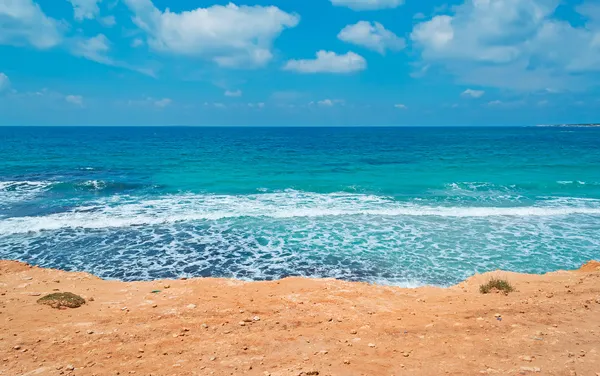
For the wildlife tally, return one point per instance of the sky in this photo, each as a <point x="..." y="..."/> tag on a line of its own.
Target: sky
<point x="299" y="62"/>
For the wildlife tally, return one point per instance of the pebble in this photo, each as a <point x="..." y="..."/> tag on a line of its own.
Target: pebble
<point x="17" y="347"/>
<point x="191" y="306"/>
<point x="405" y="354"/>
<point x="242" y="323"/>
<point x="346" y="361"/>
<point x="371" y="345"/>
<point x="526" y="358"/>
<point x="353" y="332"/>
<point x="141" y="350"/>
<point x="70" y="367"/>
<point x="205" y="326"/>
<point x="256" y="318"/>
<point x="530" y="369"/>
<point x="497" y="315"/>
<point x="90" y="332"/>
<point x="212" y="358"/>
<point x="167" y="286"/>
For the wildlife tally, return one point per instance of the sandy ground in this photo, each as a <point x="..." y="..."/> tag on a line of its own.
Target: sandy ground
<point x="550" y="326"/>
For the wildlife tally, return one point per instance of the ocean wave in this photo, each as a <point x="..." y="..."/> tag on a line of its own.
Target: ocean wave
<point x="14" y="191"/>
<point x="125" y="211"/>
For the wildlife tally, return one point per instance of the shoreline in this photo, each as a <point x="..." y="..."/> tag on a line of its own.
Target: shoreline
<point x="299" y="326"/>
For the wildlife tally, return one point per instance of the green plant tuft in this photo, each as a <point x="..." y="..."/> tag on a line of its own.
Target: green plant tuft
<point x="496" y="285"/>
<point x="62" y="299"/>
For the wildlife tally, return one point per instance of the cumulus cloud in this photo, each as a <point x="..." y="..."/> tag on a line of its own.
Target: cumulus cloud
<point x="22" y="22"/>
<point x="328" y="62"/>
<point x="470" y="93"/>
<point x="401" y="106"/>
<point x="85" y="9"/>
<point x="4" y="82"/>
<point x="515" y="44"/>
<point x="231" y="35"/>
<point x="368" y="4"/>
<point x="235" y="93"/>
<point x="373" y="36"/>
<point x="74" y="99"/>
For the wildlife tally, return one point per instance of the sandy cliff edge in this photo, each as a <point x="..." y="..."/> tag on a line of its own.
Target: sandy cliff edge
<point x="296" y="326"/>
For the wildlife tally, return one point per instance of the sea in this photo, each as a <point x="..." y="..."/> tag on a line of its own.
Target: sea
<point x="405" y="206"/>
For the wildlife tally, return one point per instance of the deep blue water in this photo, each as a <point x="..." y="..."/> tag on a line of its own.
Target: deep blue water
<point x="389" y="205"/>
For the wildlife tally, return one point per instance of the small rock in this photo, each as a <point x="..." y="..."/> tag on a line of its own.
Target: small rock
<point x="405" y="354"/>
<point x="91" y="299"/>
<point x="371" y="345"/>
<point x="141" y="350"/>
<point x="191" y="306"/>
<point x="242" y="323"/>
<point x="480" y="319"/>
<point x="17" y="347"/>
<point x="526" y="358"/>
<point x="353" y="332"/>
<point x="204" y="326"/>
<point x="256" y="318"/>
<point x="530" y="369"/>
<point x="70" y="367"/>
<point x="346" y="361"/>
<point x="497" y="315"/>
<point x="90" y="332"/>
<point x="167" y="286"/>
<point x="212" y="358"/>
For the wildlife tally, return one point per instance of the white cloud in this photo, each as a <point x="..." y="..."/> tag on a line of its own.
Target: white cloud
<point x="495" y="103"/>
<point x="4" y="82"/>
<point x="22" y="22"/>
<point x="367" y="4"/>
<point x="236" y="93"/>
<point x="401" y="106"/>
<point x="75" y="99"/>
<point x="217" y="105"/>
<point x="514" y="44"/>
<point x="418" y="16"/>
<point x="137" y="43"/>
<point x="231" y="35"/>
<point x="85" y="9"/>
<point x="372" y="36"/>
<point x="162" y="103"/>
<point x="256" y="105"/>
<point x="473" y="93"/>
<point x="328" y="62"/>
<point x="108" y="21"/>
<point x="95" y="49"/>
<point x="328" y="102"/>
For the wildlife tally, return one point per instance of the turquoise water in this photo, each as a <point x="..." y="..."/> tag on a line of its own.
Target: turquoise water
<point x="402" y="206"/>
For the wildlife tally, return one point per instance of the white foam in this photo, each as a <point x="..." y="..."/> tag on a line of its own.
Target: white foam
<point x="125" y="211"/>
<point x="15" y="191"/>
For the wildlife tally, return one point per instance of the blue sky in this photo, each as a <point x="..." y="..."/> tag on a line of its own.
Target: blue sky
<point x="299" y="62"/>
